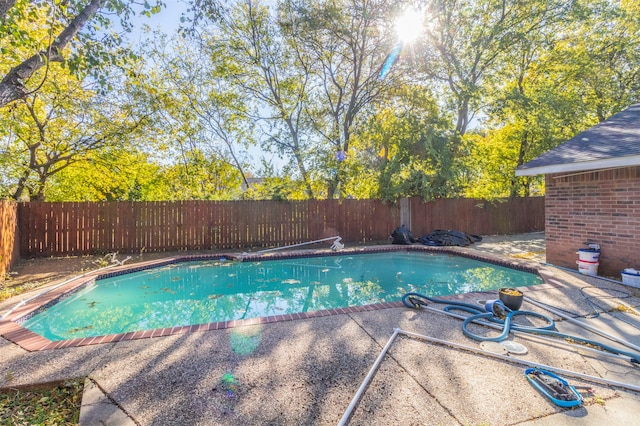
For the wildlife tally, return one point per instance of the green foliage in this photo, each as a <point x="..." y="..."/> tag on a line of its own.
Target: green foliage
<point x="91" y="48"/>
<point x="603" y="57"/>
<point x="491" y="164"/>
<point x="550" y="89"/>
<point x="198" y="118"/>
<point x="20" y="40"/>
<point x="202" y="178"/>
<point x="488" y="87"/>
<point x="467" y="42"/>
<point x="109" y="175"/>
<point x="266" y="68"/>
<point x="275" y="188"/>
<point x="58" y="126"/>
<point x="341" y="46"/>
<point x="130" y="176"/>
<point x="411" y="148"/>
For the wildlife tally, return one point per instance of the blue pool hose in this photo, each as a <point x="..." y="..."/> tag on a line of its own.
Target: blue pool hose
<point x="417" y="300"/>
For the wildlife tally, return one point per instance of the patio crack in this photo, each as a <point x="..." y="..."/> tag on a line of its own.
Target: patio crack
<point x="99" y="407"/>
<point x="407" y="372"/>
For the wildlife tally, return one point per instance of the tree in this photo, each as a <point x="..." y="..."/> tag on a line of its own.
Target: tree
<point x="113" y="173"/>
<point x="406" y="149"/>
<point x="556" y="81"/>
<point x="344" y="44"/>
<point x="5" y="5"/>
<point x="266" y="71"/>
<point x="196" y="112"/>
<point x="602" y="53"/>
<point x="66" y="24"/>
<point x="201" y="177"/>
<point x="466" y="41"/>
<point x="57" y="126"/>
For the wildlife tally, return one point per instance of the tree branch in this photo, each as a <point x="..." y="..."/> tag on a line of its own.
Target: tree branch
<point x="12" y="86"/>
<point x="5" y="5"/>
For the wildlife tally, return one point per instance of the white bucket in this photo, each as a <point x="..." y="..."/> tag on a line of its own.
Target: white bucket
<point x="588" y="255"/>
<point x="587" y="268"/>
<point x="631" y="277"/>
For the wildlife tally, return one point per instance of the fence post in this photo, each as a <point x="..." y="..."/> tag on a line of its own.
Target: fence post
<point x="9" y="238"/>
<point x="405" y="212"/>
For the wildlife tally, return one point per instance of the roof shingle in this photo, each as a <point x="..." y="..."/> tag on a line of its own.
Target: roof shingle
<point x="617" y="137"/>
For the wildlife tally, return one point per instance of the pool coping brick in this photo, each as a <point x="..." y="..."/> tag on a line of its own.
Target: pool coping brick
<point x="11" y="329"/>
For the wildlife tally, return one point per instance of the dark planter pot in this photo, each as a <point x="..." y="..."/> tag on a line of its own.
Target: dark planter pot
<point x="511" y="298"/>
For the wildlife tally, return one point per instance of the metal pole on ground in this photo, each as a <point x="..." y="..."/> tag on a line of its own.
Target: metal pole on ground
<point x="365" y="383"/>
<point x="525" y="363"/>
<point x="509" y="359"/>
<point x="583" y="324"/>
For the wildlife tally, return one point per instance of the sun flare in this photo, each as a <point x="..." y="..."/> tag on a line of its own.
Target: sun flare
<point x="409" y="25"/>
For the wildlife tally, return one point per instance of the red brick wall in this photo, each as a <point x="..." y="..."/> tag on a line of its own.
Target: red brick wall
<point x="600" y="207"/>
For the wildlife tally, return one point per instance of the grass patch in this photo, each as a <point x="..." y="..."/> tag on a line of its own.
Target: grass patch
<point x="7" y="292"/>
<point x="53" y="404"/>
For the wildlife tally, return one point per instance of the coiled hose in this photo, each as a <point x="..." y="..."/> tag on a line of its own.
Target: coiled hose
<point x="502" y="315"/>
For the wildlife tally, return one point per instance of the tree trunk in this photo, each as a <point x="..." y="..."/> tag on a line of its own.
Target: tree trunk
<point x="17" y="193"/>
<point x="12" y="85"/>
<point x="523" y="148"/>
<point x="5" y="5"/>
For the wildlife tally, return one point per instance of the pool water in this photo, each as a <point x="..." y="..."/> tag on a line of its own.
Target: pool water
<point x="202" y="292"/>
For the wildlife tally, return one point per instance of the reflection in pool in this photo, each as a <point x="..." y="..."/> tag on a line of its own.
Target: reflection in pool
<point x="203" y="292"/>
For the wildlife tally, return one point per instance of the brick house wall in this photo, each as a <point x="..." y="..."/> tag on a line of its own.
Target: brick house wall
<point x="601" y="207"/>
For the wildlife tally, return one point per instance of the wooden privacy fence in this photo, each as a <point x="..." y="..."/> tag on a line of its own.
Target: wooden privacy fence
<point x="8" y="240"/>
<point x="50" y="229"/>
<point x="479" y="217"/>
<point x="55" y="229"/>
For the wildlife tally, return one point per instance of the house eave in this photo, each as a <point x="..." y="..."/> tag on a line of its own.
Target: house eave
<point x="608" y="163"/>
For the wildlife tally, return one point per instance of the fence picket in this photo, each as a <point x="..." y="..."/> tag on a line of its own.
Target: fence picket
<point x="58" y="229"/>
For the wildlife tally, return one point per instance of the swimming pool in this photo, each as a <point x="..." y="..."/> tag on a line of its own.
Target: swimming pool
<point x="215" y="291"/>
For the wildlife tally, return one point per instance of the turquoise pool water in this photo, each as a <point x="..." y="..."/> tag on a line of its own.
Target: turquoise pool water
<point x="210" y="291"/>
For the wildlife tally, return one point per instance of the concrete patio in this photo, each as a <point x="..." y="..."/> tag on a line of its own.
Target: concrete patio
<point x="308" y="371"/>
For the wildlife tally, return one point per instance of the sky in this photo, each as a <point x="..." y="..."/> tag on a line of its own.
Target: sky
<point x="167" y="20"/>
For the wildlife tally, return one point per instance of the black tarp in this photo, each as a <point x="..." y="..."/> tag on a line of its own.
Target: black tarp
<point x="441" y="237"/>
<point x="401" y="235"/>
